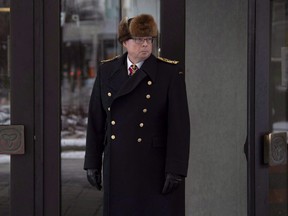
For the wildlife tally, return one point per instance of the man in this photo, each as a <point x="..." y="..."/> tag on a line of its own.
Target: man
<point x="139" y="119"/>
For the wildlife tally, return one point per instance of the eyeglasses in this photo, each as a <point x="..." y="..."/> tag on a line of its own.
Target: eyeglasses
<point x="141" y="40"/>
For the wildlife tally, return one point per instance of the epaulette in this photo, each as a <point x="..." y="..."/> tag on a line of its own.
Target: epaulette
<point x="111" y="59"/>
<point x="168" y="60"/>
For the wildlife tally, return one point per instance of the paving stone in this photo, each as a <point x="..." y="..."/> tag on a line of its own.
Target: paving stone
<point x="78" y="197"/>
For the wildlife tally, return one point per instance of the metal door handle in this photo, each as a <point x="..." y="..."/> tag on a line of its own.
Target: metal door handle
<point x="275" y="148"/>
<point x="12" y="139"/>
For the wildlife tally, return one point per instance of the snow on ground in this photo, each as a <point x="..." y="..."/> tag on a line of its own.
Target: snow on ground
<point x="4" y="159"/>
<point x="64" y="155"/>
<point x="73" y="155"/>
<point x="73" y="142"/>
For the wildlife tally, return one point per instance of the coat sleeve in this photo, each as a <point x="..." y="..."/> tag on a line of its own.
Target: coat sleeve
<point x="95" y="129"/>
<point x="178" y="131"/>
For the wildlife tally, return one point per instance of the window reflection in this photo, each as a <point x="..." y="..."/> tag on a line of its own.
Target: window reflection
<point x="278" y="178"/>
<point x="89" y="35"/>
<point x="4" y="102"/>
<point x="4" y="63"/>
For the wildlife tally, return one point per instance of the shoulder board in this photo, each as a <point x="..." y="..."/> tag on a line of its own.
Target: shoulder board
<point x="168" y="60"/>
<point x="111" y="59"/>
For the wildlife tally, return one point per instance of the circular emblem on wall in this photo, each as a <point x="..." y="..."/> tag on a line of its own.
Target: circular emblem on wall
<point x="12" y="139"/>
<point x="278" y="149"/>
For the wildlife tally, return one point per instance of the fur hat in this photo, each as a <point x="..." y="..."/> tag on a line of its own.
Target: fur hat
<point x="139" y="26"/>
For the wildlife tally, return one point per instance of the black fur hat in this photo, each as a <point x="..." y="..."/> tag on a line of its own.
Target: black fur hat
<point x="139" y="26"/>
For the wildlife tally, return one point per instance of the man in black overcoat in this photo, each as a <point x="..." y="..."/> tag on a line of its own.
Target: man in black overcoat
<point x="138" y="126"/>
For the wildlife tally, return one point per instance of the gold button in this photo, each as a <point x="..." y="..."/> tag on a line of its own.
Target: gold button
<point x="144" y="110"/>
<point x="113" y="137"/>
<point x="113" y="122"/>
<point x="141" y="125"/>
<point x="149" y="82"/>
<point x="109" y="94"/>
<point x="148" y="96"/>
<point x="108" y="108"/>
<point x="139" y="140"/>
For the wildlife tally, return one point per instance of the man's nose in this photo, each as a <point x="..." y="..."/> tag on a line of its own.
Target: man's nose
<point x="145" y="43"/>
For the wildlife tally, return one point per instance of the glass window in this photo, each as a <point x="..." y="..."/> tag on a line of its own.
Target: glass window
<point x="278" y="178"/>
<point x="89" y="35"/>
<point x="4" y="102"/>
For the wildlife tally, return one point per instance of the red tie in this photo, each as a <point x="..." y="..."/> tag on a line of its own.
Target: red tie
<point x="132" y="69"/>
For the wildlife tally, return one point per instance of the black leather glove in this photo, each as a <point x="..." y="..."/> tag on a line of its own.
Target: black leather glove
<point x="94" y="178"/>
<point x="171" y="183"/>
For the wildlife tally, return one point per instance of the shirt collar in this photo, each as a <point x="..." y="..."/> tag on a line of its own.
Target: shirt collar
<point x="129" y="63"/>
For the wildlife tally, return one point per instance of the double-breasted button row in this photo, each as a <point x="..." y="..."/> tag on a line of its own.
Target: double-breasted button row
<point x="113" y="137"/>
<point x="149" y="83"/>
<point x="109" y="94"/>
<point x="141" y="124"/>
<point x="144" y="110"/>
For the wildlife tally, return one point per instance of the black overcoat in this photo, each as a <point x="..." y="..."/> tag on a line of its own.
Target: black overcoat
<point x="141" y="124"/>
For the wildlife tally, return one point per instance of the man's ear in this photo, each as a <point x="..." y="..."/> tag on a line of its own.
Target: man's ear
<point x="124" y="44"/>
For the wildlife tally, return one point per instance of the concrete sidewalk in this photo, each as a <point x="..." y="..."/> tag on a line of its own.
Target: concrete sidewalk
<point x="78" y="197"/>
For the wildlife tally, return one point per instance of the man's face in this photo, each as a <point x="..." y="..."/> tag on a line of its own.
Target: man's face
<point x="139" y="49"/>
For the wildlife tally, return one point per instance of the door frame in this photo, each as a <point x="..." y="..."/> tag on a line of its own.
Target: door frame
<point x="258" y="105"/>
<point x="22" y="84"/>
<point x="36" y="98"/>
<point x="35" y="103"/>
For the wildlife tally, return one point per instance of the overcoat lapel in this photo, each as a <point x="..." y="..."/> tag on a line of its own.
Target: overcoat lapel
<point x="150" y="67"/>
<point x="123" y="85"/>
<point x="118" y="78"/>
<point x="131" y="83"/>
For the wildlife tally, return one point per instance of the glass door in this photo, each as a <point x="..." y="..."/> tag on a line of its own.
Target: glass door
<point x="4" y="103"/>
<point x="278" y="173"/>
<point x="89" y="35"/>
